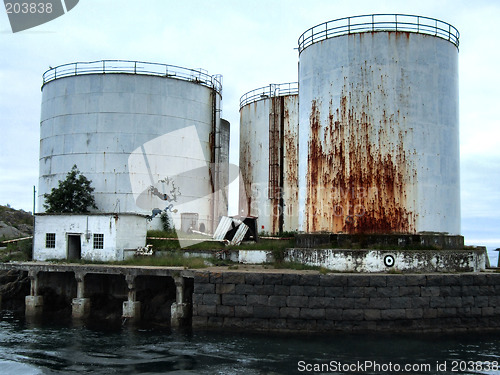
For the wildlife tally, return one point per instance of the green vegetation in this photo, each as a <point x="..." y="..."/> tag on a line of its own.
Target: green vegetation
<point x="163" y="245"/>
<point x="15" y="217"/>
<point x="166" y="223"/>
<point x="73" y="195"/>
<point x="173" y="259"/>
<point x="17" y="251"/>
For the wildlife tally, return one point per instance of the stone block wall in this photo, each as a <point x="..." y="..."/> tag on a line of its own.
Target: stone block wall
<point x="284" y="301"/>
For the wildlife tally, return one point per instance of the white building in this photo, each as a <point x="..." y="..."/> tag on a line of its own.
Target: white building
<point x="93" y="236"/>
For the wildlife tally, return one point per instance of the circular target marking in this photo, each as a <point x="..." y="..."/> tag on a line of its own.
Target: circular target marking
<point x="389" y="261"/>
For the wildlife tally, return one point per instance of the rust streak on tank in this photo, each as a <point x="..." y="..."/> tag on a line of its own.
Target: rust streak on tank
<point x="359" y="177"/>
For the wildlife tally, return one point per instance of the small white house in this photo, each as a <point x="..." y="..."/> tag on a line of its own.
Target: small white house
<point x="99" y="236"/>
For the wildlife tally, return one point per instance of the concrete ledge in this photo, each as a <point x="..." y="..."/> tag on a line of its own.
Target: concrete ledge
<point x="391" y="260"/>
<point x="369" y="261"/>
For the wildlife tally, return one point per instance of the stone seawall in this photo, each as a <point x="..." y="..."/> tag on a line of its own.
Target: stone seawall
<point x="285" y="301"/>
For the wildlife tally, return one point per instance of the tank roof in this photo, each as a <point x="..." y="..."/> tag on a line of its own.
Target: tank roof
<point x="199" y="76"/>
<point x="269" y="91"/>
<point x="379" y="22"/>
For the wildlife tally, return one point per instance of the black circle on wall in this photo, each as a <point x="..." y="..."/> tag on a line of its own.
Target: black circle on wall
<point x="389" y="261"/>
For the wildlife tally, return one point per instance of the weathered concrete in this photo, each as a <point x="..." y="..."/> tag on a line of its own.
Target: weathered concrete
<point x="366" y="260"/>
<point x="81" y="304"/>
<point x="179" y="310"/>
<point x="33" y="302"/>
<point x="34" y="306"/>
<point x="369" y="261"/>
<point x="80" y="308"/>
<point x="132" y="311"/>
<point x="131" y="308"/>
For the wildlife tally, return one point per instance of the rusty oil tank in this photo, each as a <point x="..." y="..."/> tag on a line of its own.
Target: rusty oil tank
<point x="378" y="126"/>
<point x="268" y="157"/>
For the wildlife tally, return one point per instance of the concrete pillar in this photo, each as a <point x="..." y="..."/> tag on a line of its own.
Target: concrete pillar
<point x="80" y="305"/>
<point x="131" y="308"/>
<point x="179" y="310"/>
<point x="33" y="302"/>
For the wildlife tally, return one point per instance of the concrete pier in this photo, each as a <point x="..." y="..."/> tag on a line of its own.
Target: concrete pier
<point x="180" y="309"/>
<point x="80" y="305"/>
<point x="87" y="281"/>
<point x="131" y="307"/>
<point x="33" y="302"/>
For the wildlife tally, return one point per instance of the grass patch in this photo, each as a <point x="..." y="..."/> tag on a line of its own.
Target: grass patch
<point x="17" y="251"/>
<point x="174" y="259"/>
<point x="162" y="233"/>
<point x="264" y="245"/>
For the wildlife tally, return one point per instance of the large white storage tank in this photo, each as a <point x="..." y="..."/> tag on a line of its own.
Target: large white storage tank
<point x="268" y="157"/>
<point x="379" y="128"/>
<point x="146" y="134"/>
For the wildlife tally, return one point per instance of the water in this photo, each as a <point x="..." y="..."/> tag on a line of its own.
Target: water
<point x="66" y="349"/>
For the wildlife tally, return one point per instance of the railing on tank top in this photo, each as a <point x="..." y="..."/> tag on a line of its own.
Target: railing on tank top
<point x="269" y="91"/>
<point x="379" y="22"/>
<point x="199" y="76"/>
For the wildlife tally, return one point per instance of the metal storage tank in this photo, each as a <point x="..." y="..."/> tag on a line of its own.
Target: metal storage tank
<point x="268" y="156"/>
<point x="148" y="136"/>
<point x="379" y="128"/>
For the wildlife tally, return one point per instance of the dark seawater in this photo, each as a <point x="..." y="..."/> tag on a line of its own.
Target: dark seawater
<point x="63" y="348"/>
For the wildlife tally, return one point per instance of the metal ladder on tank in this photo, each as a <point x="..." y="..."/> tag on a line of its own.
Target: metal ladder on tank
<point x="215" y="157"/>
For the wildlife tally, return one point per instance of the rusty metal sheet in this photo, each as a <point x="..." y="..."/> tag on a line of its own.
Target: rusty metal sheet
<point x="223" y="227"/>
<point x="239" y="235"/>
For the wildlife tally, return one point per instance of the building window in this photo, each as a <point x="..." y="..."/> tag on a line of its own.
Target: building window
<point x="50" y="240"/>
<point x="98" y="241"/>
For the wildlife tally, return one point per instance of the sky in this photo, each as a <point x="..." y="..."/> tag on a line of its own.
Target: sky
<point x="252" y="44"/>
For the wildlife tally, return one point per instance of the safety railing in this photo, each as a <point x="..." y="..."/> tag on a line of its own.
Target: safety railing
<point x="269" y="91"/>
<point x="379" y="22"/>
<point x="199" y="76"/>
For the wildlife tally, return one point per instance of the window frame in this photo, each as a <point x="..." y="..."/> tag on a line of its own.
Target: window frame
<point x="98" y="241"/>
<point x="50" y="240"/>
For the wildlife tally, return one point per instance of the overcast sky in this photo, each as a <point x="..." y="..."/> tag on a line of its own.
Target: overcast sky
<point x="251" y="43"/>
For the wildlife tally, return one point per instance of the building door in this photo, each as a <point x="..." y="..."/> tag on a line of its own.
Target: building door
<point x="74" y="247"/>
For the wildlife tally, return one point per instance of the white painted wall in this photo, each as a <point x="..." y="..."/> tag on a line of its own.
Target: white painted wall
<point x="120" y="232"/>
<point x="404" y="261"/>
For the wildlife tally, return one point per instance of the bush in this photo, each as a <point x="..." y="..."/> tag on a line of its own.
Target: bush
<point x="166" y="222"/>
<point x="73" y="195"/>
